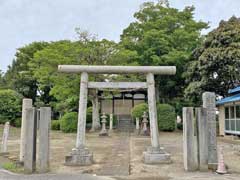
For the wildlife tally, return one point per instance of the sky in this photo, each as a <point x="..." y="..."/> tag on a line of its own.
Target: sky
<point x="25" y="21"/>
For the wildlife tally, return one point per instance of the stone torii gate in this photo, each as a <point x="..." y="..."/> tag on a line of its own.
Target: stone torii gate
<point x="80" y="155"/>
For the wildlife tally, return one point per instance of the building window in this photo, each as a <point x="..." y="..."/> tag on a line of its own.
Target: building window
<point x="232" y="119"/>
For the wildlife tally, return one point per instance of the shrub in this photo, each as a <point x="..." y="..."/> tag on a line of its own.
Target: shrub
<point x="138" y="110"/>
<point x="166" y="117"/>
<point x="55" y="125"/>
<point x="10" y="106"/>
<point x="18" y="122"/>
<point x="180" y="126"/>
<point x="68" y="123"/>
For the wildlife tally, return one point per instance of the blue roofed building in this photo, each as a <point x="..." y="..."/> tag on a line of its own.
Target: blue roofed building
<point x="229" y="113"/>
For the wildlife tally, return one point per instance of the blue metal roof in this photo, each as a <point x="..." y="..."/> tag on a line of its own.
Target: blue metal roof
<point x="237" y="89"/>
<point x="229" y="99"/>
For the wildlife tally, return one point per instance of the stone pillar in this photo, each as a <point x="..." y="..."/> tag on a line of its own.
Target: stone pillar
<point x="30" y="141"/>
<point x="201" y="118"/>
<point x="137" y="124"/>
<point x="190" y="150"/>
<point x="221" y="120"/>
<point x="43" y="147"/>
<point x="5" y="138"/>
<point x="95" y="112"/>
<point x="144" y="130"/>
<point x="154" y="154"/>
<point x="111" y="122"/>
<point x="209" y="103"/>
<point x="104" y="130"/>
<point x="81" y="155"/>
<point x="27" y="103"/>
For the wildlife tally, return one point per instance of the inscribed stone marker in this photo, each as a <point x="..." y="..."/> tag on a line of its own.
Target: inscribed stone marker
<point x="209" y="103"/>
<point x="5" y="138"/>
<point x="29" y="155"/>
<point x="43" y="147"/>
<point x="190" y="150"/>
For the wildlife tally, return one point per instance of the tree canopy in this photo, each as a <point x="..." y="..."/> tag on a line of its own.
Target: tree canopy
<point x="162" y="35"/>
<point x="216" y="63"/>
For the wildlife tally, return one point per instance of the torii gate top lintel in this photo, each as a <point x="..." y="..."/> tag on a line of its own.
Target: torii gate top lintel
<point x="164" y="70"/>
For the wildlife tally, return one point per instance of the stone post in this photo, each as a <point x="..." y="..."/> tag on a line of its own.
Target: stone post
<point x="209" y="103"/>
<point x="95" y="112"/>
<point x="27" y="103"/>
<point x="5" y="138"/>
<point x="137" y="124"/>
<point x="43" y="147"/>
<point x="111" y="122"/>
<point x="104" y="130"/>
<point x="201" y="118"/>
<point x="30" y="141"/>
<point x="190" y="150"/>
<point x="81" y="155"/>
<point x="144" y="130"/>
<point x="154" y="154"/>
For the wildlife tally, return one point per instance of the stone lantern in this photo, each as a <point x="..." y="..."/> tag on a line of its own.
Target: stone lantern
<point x="144" y="130"/>
<point x="104" y="121"/>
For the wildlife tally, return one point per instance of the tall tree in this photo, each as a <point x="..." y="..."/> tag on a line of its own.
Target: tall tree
<point x="2" y="81"/>
<point x="216" y="63"/>
<point x="162" y="35"/>
<point x="19" y="76"/>
<point x="63" y="89"/>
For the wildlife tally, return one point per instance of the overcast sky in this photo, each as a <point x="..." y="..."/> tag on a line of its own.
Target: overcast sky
<point x="25" y="21"/>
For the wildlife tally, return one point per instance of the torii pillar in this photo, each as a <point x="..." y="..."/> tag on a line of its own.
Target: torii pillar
<point x="81" y="155"/>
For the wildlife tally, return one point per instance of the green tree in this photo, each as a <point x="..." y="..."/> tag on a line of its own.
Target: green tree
<point x="19" y="76"/>
<point x="2" y="81"/>
<point x="63" y="89"/>
<point x="10" y="105"/>
<point x="162" y="35"/>
<point x="216" y="63"/>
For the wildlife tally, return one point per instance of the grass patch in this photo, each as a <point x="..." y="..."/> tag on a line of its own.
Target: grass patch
<point x="13" y="167"/>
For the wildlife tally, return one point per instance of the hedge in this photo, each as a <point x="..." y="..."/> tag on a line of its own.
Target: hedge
<point x="68" y="123"/>
<point x="166" y="117"/>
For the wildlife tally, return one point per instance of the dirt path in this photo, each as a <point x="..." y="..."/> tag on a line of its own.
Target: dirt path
<point x="117" y="162"/>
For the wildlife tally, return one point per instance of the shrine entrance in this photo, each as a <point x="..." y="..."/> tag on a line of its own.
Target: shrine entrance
<point x="81" y="155"/>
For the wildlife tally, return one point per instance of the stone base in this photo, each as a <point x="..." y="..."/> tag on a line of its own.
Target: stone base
<point x="79" y="157"/>
<point x="103" y="133"/>
<point x="156" y="156"/>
